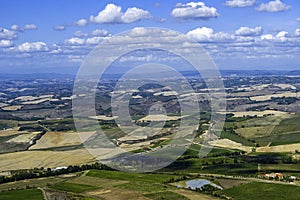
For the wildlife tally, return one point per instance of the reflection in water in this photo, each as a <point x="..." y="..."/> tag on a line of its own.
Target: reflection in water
<point x="198" y="183"/>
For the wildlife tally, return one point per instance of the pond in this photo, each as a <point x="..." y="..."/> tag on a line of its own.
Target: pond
<point x="198" y="183"/>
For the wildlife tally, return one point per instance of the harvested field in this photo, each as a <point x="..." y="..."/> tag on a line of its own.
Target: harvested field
<point x="24" y="138"/>
<point x="258" y="113"/>
<point x="11" y="131"/>
<point x="103" y="117"/>
<point x="11" y="108"/>
<point x="32" y="159"/>
<point x="36" y="101"/>
<point x="280" y="148"/>
<point x="226" y="143"/>
<point x="59" y="139"/>
<point x="269" y="97"/>
<point x="158" y="118"/>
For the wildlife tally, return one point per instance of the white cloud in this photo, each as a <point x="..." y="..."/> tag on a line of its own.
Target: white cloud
<point x="113" y="14"/>
<point x="81" y="22"/>
<point x="80" y="34"/>
<point x="94" y="40"/>
<point x="281" y="36"/>
<point x="100" y="32"/>
<point x="30" y="27"/>
<point x="59" y="28"/>
<point x="205" y="34"/>
<point x="297" y="32"/>
<point x="240" y="3"/>
<point x="298" y="19"/>
<point x="7" y="34"/>
<point x="134" y="14"/>
<point x="75" y="41"/>
<point x="246" y="31"/>
<point x="273" y="6"/>
<point x="32" y="47"/>
<point x="267" y="37"/>
<point x="6" y="43"/>
<point x="15" y="27"/>
<point x="194" y="10"/>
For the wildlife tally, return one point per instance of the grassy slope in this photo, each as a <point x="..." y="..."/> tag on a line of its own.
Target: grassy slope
<point x="263" y="191"/>
<point x="32" y="194"/>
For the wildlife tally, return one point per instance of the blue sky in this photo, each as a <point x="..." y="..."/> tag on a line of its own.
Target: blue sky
<point x="239" y="34"/>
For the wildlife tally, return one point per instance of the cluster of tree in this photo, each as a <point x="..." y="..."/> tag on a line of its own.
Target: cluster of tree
<point x="41" y="172"/>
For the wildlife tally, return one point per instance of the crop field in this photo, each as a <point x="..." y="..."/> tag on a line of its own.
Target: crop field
<point x="73" y="187"/>
<point x="59" y="139"/>
<point x="101" y="184"/>
<point x="32" y="194"/>
<point x="32" y="159"/>
<point x="263" y="191"/>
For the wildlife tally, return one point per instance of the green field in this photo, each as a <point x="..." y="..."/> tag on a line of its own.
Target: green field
<point x="32" y="194"/>
<point x="263" y="191"/>
<point x="279" y="139"/>
<point x="288" y="125"/>
<point x="236" y="138"/>
<point x="73" y="187"/>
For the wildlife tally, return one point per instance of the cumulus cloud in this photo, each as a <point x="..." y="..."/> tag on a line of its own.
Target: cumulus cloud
<point x="30" y="27"/>
<point x="15" y="27"/>
<point x="7" y="34"/>
<point x="80" y="34"/>
<point x="281" y="36"/>
<point x="6" y="43"/>
<point x="194" y="10"/>
<point x="273" y="6"/>
<point x="75" y="41"/>
<point x="94" y="40"/>
<point x="297" y="32"/>
<point x="205" y="34"/>
<point x="267" y="37"/>
<point x="59" y="28"/>
<point x="113" y="14"/>
<point x="246" y="31"/>
<point x="100" y="32"/>
<point x="32" y="47"/>
<point x="239" y="3"/>
<point x="81" y="22"/>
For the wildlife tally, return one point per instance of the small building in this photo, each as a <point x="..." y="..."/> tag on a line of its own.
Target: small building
<point x="60" y="168"/>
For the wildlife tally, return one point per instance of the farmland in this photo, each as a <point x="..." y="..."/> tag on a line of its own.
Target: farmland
<point x="260" y="136"/>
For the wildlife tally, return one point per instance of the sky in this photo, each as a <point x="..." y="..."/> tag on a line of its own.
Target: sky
<point x="56" y="35"/>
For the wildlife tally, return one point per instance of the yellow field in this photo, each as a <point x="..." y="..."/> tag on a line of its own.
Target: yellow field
<point x="24" y="138"/>
<point x="52" y="159"/>
<point x="158" y="118"/>
<point x="59" y="139"/>
<point x="11" y="108"/>
<point x="226" y="143"/>
<point x="257" y="113"/>
<point x="11" y="131"/>
<point x="269" y="97"/>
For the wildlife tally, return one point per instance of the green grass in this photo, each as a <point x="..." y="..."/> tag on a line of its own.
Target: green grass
<point x="32" y="194"/>
<point x="73" y="187"/>
<point x="236" y="138"/>
<point x="136" y="182"/>
<point x="116" y="175"/>
<point x="280" y="167"/>
<point x="165" y="195"/>
<point x="288" y="125"/>
<point x="5" y="124"/>
<point x="243" y="169"/>
<point x="279" y="139"/>
<point x="263" y="191"/>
